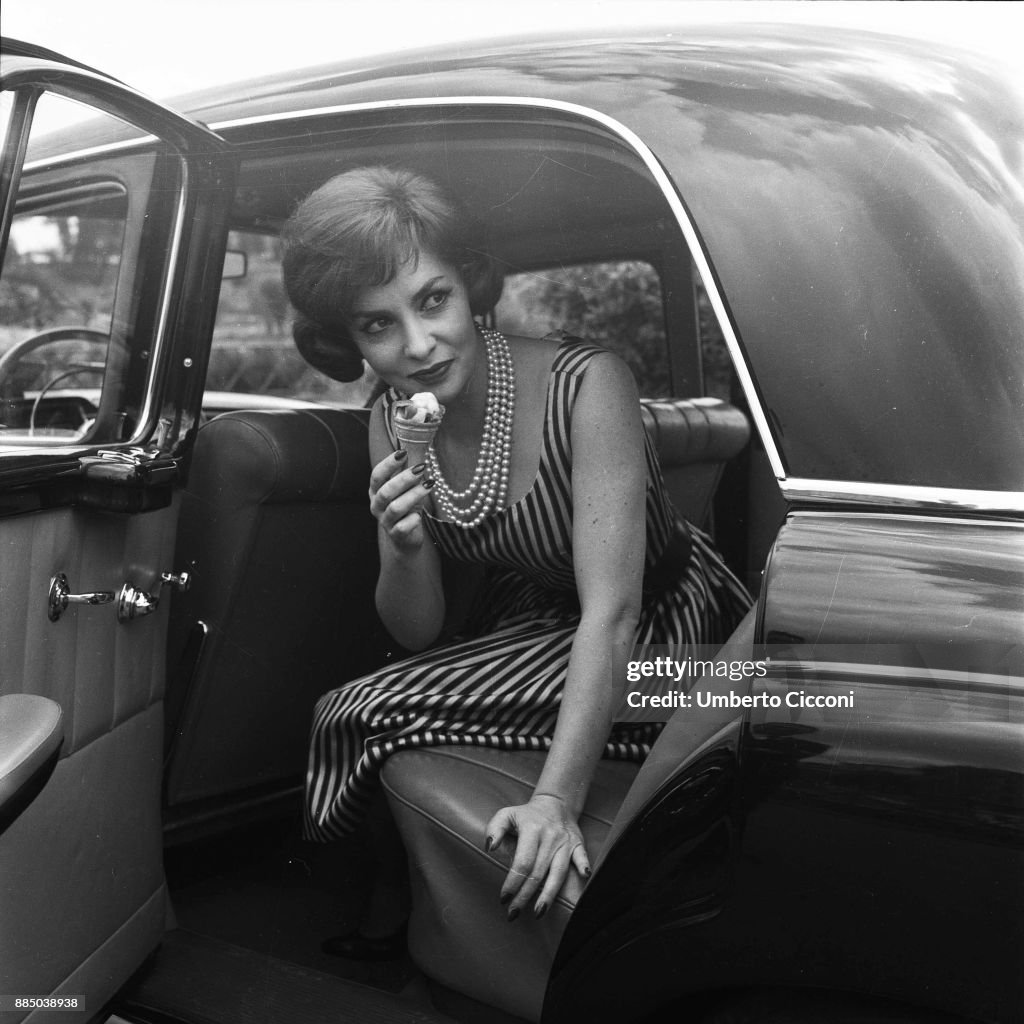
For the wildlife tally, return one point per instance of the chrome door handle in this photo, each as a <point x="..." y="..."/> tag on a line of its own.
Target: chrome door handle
<point x="132" y="601"/>
<point x="60" y="597"/>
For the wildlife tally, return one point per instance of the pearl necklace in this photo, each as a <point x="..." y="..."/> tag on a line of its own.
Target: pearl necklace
<point x="488" y="488"/>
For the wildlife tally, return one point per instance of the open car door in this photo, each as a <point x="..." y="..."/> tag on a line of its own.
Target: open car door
<point x="108" y="258"/>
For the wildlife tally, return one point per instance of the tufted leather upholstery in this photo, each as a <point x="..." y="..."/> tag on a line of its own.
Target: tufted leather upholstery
<point x="694" y="439"/>
<point x="276" y="527"/>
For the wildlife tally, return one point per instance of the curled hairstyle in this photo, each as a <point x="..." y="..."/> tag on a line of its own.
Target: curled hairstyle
<point x="356" y="231"/>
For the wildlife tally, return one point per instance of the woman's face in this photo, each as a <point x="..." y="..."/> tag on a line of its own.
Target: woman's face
<point x="417" y="331"/>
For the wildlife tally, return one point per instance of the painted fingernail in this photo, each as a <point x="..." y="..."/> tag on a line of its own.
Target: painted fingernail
<point x="429" y="482"/>
<point x="506" y="898"/>
<point x="401" y="455"/>
<point x="540" y="910"/>
<point x="586" y="871"/>
<point x="420" y="468"/>
<point x="513" y="913"/>
<point x="488" y="843"/>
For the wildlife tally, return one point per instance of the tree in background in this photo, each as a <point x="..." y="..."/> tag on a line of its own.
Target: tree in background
<point x="617" y="305"/>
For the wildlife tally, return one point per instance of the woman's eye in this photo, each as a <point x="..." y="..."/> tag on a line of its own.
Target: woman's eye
<point x="435" y="299"/>
<point x="375" y="326"/>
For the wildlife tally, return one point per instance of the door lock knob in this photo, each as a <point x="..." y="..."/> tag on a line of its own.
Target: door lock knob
<point x="133" y="602"/>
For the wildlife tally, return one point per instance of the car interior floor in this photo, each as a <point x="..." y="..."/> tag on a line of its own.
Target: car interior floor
<point x="251" y="910"/>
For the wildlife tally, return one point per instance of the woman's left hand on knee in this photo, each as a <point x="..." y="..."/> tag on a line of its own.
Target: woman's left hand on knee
<point x="548" y="844"/>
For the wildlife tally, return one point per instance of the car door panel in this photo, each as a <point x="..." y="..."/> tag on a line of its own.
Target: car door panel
<point x="917" y="784"/>
<point x="912" y="791"/>
<point x="83" y="895"/>
<point x="85" y="660"/>
<point x="824" y="574"/>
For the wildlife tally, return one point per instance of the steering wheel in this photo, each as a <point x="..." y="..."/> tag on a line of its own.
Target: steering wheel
<point x="13" y="358"/>
<point x="14" y="355"/>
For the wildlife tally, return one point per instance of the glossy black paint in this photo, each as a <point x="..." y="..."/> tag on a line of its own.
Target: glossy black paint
<point x="876" y="850"/>
<point x="896" y="583"/>
<point x="626" y="951"/>
<point x="889" y="839"/>
<point x="852" y="856"/>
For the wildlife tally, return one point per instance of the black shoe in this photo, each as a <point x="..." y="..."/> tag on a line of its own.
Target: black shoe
<point x="357" y="946"/>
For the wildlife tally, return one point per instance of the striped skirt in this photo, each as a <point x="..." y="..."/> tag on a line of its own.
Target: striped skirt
<point x="501" y="689"/>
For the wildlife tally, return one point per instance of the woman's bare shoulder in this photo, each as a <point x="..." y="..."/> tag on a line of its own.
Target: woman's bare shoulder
<point x="608" y="383"/>
<point x="534" y="359"/>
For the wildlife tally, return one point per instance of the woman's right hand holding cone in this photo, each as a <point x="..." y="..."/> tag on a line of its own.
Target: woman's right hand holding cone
<point x="397" y="494"/>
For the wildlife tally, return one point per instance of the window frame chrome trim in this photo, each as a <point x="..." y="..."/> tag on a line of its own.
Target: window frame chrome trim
<point x="898" y="516"/>
<point x="149" y="413"/>
<point x="108" y="149"/>
<point x="19" y="123"/>
<point x="89" y="192"/>
<point x="899" y="496"/>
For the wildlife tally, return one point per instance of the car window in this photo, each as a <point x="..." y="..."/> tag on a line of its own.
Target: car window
<point x="61" y="265"/>
<point x="716" y="365"/>
<point x="63" y="268"/>
<point x="617" y="304"/>
<point x="252" y="352"/>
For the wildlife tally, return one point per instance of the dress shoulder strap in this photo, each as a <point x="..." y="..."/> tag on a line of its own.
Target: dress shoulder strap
<point x="574" y="354"/>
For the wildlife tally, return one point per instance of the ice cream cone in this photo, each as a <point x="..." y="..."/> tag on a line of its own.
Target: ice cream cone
<point x="414" y="435"/>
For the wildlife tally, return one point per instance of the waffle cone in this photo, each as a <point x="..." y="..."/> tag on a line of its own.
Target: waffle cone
<point x="415" y="438"/>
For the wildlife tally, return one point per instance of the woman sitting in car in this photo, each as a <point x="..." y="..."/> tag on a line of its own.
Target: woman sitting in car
<point x="539" y="487"/>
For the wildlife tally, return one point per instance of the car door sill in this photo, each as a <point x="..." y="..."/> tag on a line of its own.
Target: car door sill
<point x="200" y="980"/>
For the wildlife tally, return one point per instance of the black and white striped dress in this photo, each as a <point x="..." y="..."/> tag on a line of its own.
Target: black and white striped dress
<point x="501" y="686"/>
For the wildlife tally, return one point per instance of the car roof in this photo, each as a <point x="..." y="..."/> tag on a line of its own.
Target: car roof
<point x="610" y="71"/>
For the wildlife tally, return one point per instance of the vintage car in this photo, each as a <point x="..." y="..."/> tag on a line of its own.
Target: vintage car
<point x="809" y="246"/>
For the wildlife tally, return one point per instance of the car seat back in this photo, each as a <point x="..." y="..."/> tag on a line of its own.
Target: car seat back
<point x="694" y="439"/>
<point x="276" y="530"/>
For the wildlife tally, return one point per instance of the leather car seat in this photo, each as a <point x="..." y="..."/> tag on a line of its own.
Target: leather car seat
<point x="694" y="439"/>
<point x="443" y="797"/>
<point x="277" y="533"/>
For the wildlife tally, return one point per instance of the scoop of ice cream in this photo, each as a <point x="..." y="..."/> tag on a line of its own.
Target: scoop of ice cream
<point x="423" y="407"/>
